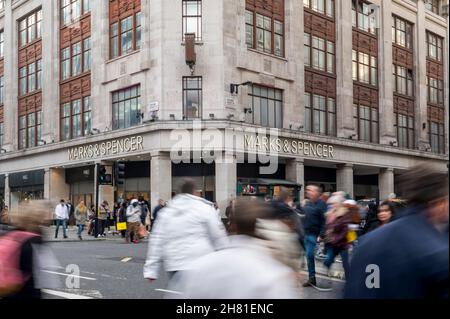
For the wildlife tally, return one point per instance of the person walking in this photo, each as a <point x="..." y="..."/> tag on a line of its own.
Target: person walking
<point x="314" y="226"/>
<point x="133" y="221"/>
<point x="408" y="257"/>
<point x="61" y="215"/>
<point x="161" y="204"/>
<point x="102" y="217"/>
<point x="122" y="217"/>
<point x="80" y="217"/>
<point x="144" y="209"/>
<point x="71" y="216"/>
<point x="386" y="213"/>
<point x="91" y="218"/>
<point x="186" y="229"/>
<point x="4" y="216"/>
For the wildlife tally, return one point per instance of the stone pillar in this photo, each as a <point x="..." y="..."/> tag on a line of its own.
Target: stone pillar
<point x="7" y="192"/>
<point x="385" y="182"/>
<point x="386" y="104"/>
<point x="226" y="181"/>
<point x="295" y="172"/>
<point x="344" y="81"/>
<point x="160" y="178"/>
<point x="420" y="56"/>
<point x="47" y="183"/>
<point x="344" y="178"/>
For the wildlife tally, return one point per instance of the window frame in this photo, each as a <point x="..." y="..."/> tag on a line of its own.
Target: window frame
<point x="37" y="26"/>
<point x="440" y="135"/>
<point x="409" y="128"/>
<point x="309" y="63"/>
<point x="311" y="109"/>
<point x="36" y="127"/>
<point x="83" y="10"/>
<point x="439" y="88"/>
<point x="326" y="3"/>
<point x="70" y="59"/>
<point x="277" y="98"/>
<point x="134" y="41"/>
<point x="408" y="32"/>
<point x="356" y="16"/>
<point x="82" y="115"/>
<point x="408" y="80"/>
<point x="199" y="90"/>
<point x="37" y="77"/>
<point x="438" y="45"/>
<point x="198" y="17"/>
<point x="357" y="121"/>
<point x="2" y="44"/>
<point x="371" y="68"/>
<point x="116" y="104"/>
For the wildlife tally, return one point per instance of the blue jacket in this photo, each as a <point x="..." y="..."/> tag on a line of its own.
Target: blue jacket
<point x="314" y="221"/>
<point x="412" y="258"/>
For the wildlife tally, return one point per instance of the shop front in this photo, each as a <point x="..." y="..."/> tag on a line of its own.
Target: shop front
<point x="26" y="186"/>
<point x="81" y="183"/>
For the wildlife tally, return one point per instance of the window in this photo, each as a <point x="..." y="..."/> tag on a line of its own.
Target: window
<point x="72" y="10"/>
<point x="30" y="28"/>
<point x="2" y="44"/>
<point x="364" y="68"/>
<point x="2" y="4"/>
<point x="432" y="5"/>
<point x="363" y="17"/>
<point x="260" y="30"/>
<point x="435" y="90"/>
<point x="192" y="18"/>
<point x="320" y="114"/>
<point x="192" y="97"/>
<point x="30" y="78"/>
<point x="320" y="6"/>
<point x="267" y="106"/>
<point x="402" y="32"/>
<point x="126" y="35"/>
<point x="126" y="107"/>
<point x="403" y="80"/>
<point x="318" y="53"/>
<point x="76" y="118"/>
<point x="2" y="90"/>
<point x="30" y="129"/>
<point x="76" y="59"/>
<point x="2" y="133"/>
<point x="404" y="127"/>
<point x="437" y="137"/>
<point x="366" y="122"/>
<point x="434" y="44"/>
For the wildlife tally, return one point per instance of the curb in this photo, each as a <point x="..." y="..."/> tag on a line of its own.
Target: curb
<point x="72" y="240"/>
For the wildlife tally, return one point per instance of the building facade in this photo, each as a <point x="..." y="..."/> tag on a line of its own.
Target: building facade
<point x="345" y="94"/>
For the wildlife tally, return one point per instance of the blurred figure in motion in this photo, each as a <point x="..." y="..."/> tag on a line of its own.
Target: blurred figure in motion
<point x="91" y="217"/>
<point x="251" y="267"/>
<point x="122" y="217"/>
<point x="133" y="221"/>
<point x="61" y="217"/>
<point x="229" y="216"/>
<point x="4" y="215"/>
<point x="21" y="253"/>
<point x="161" y="204"/>
<point x="80" y="217"/>
<point x="102" y="218"/>
<point x="386" y="212"/>
<point x="186" y="229"/>
<point x="410" y="253"/>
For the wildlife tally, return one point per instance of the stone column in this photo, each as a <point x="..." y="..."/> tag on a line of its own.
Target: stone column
<point x="47" y="183"/>
<point x="344" y="178"/>
<point x="420" y="55"/>
<point x="226" y="181"/>
<point x="385" y="182"/>
<point x="295" y="172"/>
<point x="386" y="104"/>
<point x="160" y="177"/>
<point x="7" y="192"/>
<point x="344" y="81"/>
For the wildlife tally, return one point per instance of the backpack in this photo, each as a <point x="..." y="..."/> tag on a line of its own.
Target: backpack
<point x="11" y="277"/>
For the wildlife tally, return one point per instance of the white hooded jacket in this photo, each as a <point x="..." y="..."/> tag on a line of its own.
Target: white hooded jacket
<point x="186" y="229"/>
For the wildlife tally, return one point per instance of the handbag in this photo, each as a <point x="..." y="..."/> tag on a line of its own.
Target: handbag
<point x="142" y="232"/>
<point x="121" y="226"/>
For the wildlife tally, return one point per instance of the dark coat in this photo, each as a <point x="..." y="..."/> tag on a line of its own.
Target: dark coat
<point x="314" y="221"/>
<point x="412" y="257"/>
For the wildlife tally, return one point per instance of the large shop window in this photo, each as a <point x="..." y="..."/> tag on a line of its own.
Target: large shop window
<point x="403" y="80"/>
<point x="264" y="33"/>
<point x="404" y="128"/>
<point x="126" y="107"/>
<point x="434" y="44"/>
<point x="402" y="32"/>
<point x="319" y="53"/>
<point x="126" y="35"/>
<point x="435" y="90"/>
<point x="362" y="17"/>
<point x="30" y="28"/>
<point x="364" y="68"/>
<point x="192" y="97"/>
<point x="320" y="6"/>
<point x="76" y="59"/>
<point x="2" y="43"/>
<point x="366" y="122"/>
<point x="30" y="129"/>
<point x="76" y="118"/>
<point x="437" y="137"/>
<point x="267" y="106"/>
<point x="72" y="10"/>
<point x="320" y="114"/>
<point x="30" y="78"/>
<point x="192" y="18"/>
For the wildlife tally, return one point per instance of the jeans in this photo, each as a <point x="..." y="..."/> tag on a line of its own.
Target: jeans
<point x="80" y="230"/>
<point x="61" y="222"/>
<point x="101" y="228"/>
<point x="332" y="253"/>
<point x="310" y="247"/>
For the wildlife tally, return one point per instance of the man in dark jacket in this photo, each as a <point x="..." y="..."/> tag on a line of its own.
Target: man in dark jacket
<point x="408" y="258"/>
<point x="314" y="225"/>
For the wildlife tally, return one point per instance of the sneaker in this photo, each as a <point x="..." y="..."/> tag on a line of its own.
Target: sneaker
<point x="311" y="282"/>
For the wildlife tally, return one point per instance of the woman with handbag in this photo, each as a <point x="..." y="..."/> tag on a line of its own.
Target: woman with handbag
<point x="122" y="219"/>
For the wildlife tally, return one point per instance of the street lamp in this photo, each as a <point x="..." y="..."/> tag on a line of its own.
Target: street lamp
<point x="234" y="88"/>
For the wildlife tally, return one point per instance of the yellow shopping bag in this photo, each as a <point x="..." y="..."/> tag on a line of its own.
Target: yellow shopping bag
<point x="121" y="226"/>
<point x="351" y="236"/>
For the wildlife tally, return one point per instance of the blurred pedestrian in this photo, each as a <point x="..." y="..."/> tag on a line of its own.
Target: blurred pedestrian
<point x="61" y="216"/>
<point x="186" y="229"/>
<point x="409" y="257"/>
<point x="246" y="269"/>
<point x="91" y="218"/>
<point x="71" y="217"/>
<point x="80" y="217"/>
<point x="229" y="216"/>
<point x="122" y="217"/>
<point x="314" y="226"/>
<point x="133" y="221"/>
<point x="161" y="204"/>
<point x="4" y="215"/>
<point x="386" y="212"/>
<point x="102" y="218"/>
<point x="143" y="205"/>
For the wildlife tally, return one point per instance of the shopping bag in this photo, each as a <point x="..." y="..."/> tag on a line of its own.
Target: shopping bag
<point x="351" y="236"/>
<point x="142" y="232"/>
<point x="121" y="226"/>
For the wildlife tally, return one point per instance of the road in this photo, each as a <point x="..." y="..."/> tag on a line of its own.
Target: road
<point x="112" y="269"/>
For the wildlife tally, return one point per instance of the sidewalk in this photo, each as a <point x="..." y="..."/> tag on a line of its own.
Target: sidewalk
<point x="49" y="235"/>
